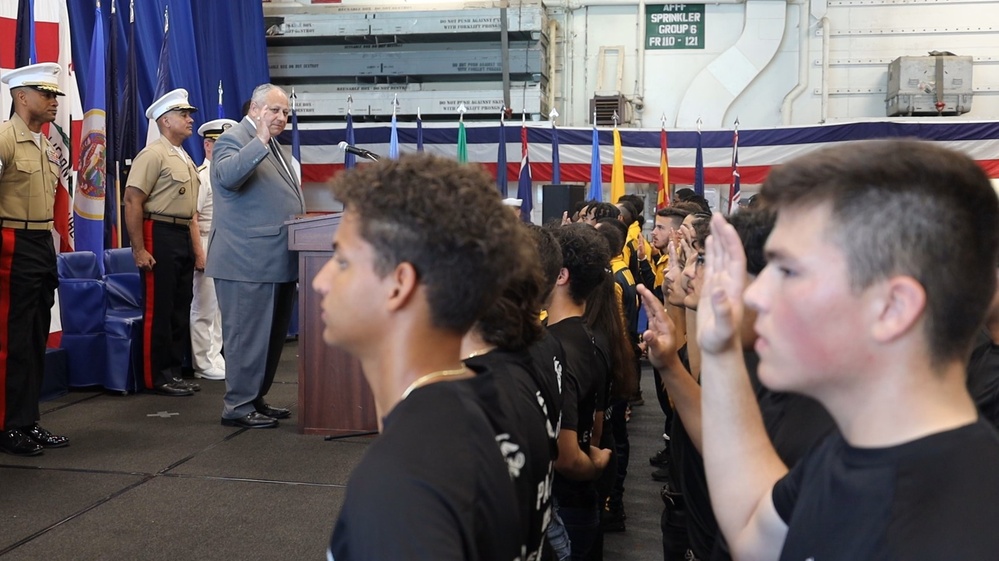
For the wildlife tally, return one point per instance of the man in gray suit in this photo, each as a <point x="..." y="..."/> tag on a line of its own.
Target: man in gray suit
<point x="255" y="191"/>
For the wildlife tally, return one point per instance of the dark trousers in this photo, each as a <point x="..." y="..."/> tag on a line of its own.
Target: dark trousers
<point x="255" y="318"/>
<point x="28" y="280"/>
<point x="166" y="291"/>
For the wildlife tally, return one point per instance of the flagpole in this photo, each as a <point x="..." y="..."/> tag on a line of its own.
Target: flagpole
<point x="117" y="161"/>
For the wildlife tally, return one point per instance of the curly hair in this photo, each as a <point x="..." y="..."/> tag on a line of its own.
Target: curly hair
<point x="586" y="256"/>
<point x="513" y="321"/>
<point x="447" y="221"/>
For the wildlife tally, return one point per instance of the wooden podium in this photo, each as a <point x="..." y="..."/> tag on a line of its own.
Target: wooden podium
<point x="333" y="395"/>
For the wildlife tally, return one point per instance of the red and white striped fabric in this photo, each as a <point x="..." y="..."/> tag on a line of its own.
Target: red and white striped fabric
<point x="759" y="149"/>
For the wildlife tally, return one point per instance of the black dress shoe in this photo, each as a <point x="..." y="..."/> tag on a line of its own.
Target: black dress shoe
<point x="17" y="443"/>
<point x="273" y="412"/>
<point x="252" y="420"/>
<point x="45" y="438"/>
<point x="172" y="390"/>
<point x="193" y="386"/>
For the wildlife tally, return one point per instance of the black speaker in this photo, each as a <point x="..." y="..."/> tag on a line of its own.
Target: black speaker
<point x="557" y="199"/>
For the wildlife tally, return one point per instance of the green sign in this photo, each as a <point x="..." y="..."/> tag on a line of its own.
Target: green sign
<point x="674" y="26"/>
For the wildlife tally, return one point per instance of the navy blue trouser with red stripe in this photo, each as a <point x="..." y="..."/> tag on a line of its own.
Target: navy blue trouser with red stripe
<point x="166" y="291"/>
<point x="28" y="280"/>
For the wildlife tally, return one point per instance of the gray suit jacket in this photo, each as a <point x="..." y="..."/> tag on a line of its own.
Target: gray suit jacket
<point x="253" y="196"/>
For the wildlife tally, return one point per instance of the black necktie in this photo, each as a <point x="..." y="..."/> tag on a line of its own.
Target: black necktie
<point x="276" y="148"/>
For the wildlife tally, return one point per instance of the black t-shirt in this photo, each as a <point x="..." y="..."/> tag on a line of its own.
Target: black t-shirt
<point x="434" y="485"/>
<point x="583" y="384"/>
<point x="794" y="423"/>
<point x="507" y="386"/>
<point x="983" y="377"/>
<point x="549" y="358"/>
<point x="934" y="498"/>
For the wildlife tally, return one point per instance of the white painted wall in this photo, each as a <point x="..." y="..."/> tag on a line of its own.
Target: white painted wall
<point x="864" y="36"/>
<point x="753" y="55"/>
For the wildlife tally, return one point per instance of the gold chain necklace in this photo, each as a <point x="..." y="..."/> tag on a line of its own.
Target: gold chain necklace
<point x="422" y="380"/>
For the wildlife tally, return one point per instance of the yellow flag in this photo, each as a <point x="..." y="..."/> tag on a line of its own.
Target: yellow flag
<point x="617" y="172"/>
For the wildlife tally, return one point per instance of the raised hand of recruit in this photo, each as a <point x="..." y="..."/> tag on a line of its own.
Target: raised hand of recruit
<point x="720" y="309"/>
<point x="640" y="250"/>
<point x="660" y="337"/>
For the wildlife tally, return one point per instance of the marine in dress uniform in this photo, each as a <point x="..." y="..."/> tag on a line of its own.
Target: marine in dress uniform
<point x="28" y="179"/>
<point x="160" y="199"/>
<point x="206" y="321"/>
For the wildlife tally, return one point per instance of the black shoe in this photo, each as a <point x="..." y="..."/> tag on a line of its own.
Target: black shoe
<point x="661" y="474"/>
<point x="661" y="458"/>
<point x="45" y="438"/>
<point x="251" y="421"/>
<point x="612" y="520"/>
<point x="193" y="386"/>
<point x="264" y="408"/>
<point x="15" y="442"/>
<point x="172" y="389"/>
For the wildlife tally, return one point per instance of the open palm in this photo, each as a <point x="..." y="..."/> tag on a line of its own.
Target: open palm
<point x="720" y="310"/>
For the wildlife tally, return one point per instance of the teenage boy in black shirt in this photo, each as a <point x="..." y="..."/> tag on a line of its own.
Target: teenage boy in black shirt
<point x="585" y="258"/>
<point x="870" y="309"/>
<point x="423" y="248"/>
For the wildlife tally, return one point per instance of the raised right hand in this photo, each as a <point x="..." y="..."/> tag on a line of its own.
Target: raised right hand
<point x="720" y="309"/>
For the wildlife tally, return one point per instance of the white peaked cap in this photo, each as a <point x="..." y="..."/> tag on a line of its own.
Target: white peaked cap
<point x="171" y="101"/>
<point x="214" y="129"/>
<point x="43" y="77"/>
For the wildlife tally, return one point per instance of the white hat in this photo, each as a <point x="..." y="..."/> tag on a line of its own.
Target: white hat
<point x="171" y="101"/>
<point x="513" y="202"/>
<point x="43" y="77"/>
<point x="214" y="129"/>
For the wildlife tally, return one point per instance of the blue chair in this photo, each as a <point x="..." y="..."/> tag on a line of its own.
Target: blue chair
<point x="83" y="307"/>
<point x="123" y="321"/>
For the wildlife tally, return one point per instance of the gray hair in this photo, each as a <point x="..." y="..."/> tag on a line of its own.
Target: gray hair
<point x="260" y="93"/>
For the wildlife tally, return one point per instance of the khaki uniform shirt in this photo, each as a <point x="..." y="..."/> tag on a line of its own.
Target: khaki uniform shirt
<point x="29" y="176"/>
<point x="168" y="178"/>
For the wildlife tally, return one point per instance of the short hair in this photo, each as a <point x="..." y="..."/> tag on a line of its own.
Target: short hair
<point x="549" y="253"/>
<point x="611" y="230"/>
<point x="585" y="255"/>
<point x="685" y="206"/>
<point x="260" y="93"/>
<point x="628" y="214"/>
<point x="683" y="194"/>
<point x="447" y="221"/>
<point x="754" y="226"/>
<point x="906" y="207"/>
<point x="702" y="229"/>
<point x="700" y="201"/>
<point x="637" y="204"/>
<point x="604" y="210"/>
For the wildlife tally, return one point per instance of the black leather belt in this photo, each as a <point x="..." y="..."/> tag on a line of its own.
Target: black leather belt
<point x="169" y="219"/>
<point x="25" y="224"/>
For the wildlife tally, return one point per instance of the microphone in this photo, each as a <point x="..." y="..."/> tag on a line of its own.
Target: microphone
<point x="351" y="149"/>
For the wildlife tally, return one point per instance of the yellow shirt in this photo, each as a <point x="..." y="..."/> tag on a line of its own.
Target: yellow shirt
<point x="167" y="177"/>
<point x="29" y="175"/>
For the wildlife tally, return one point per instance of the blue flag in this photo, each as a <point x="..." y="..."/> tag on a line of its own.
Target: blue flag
<point x="112" y="197"/>
<point x="699" y="167"/>
<point x="296" y="141"/>
<point x="596" y="181"/>
<point x="349" y="160"/>
<point x="162" y="78"/>
<point x="501" y="179"/>
<point x="88" y="200"/>
<point x="24" y="44"/>
<point x="556" y="171"/>
<point x="524" y="185"/>
<point x="393" y="140"/>
<point x="419" y="133"/>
